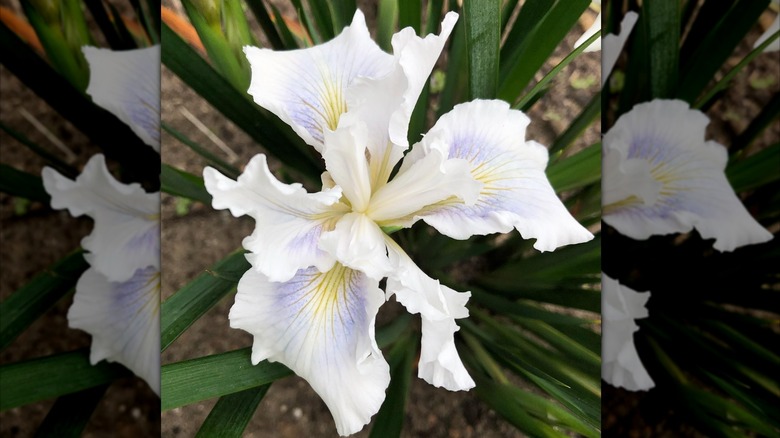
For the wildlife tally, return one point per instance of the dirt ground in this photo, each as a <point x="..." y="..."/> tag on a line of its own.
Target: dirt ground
<point x="204" y="236"/>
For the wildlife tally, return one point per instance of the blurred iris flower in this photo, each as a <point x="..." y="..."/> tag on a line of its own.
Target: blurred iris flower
<point x="621" y="365"/>
<point x="662" y="177"/>
<point x="117" y="299"/>
<point x="312" y="294"/>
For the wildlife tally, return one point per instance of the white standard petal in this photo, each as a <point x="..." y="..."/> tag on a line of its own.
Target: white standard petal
<point x="306" y="88"/>
<point x="123" y="319"/>
<point x="613" y="44"/>
<point x="438" y="306"/>
<point x="358" y="243"/>
<point x="429" y="180"/>
<point x="320" y="325"/>
<point x="288" y="220"/>
<point x="127" y="84"/>
<point x="595" y="46"/>
<point x="126" y="234"/>
<point x="385" y="104"/>
<point x="515" y="193"/>
<point x="687" y="176"/>
<point x="621" y="365"/>
<point x="344" y="153"/>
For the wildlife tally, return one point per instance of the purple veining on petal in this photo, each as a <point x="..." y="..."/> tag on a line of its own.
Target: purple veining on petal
<point x="651" y="148"/>
<point x="301" y="304"/>
<point x="148" y="242"/>
<point x="146" y="115"/>
<point x="130" y="295"/>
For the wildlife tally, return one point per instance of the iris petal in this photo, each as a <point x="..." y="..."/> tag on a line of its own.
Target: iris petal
<point x="123" y="319"/>
<point x="515" y="191"/>
<point x="127" y="84"/>
<point x="306" y="88"/>
<point x="126" y="235"/>
<point x="320" y="325"/>
<point x="621" y="365"/>
<point x="289" y="221"/>
<point x="686" y="188"/>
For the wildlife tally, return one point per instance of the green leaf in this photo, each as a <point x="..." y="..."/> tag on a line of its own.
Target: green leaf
<point x="555" y="277"/>
<point x="662" y="25"/>
<point x="724" y="33"/>
<point x="583" y="120"/>
<point x="58" y="51"/>
<point x="52" y="160"/>
<point x="506" y="13"/>
<point x="756" y="170"/>
<point x="232" y="413"/>
<point x="212" y="376"/>
<point x="193" y="70"/>
<point x="724" y="82"/>
<point x="500" y="398"/>
<point x="456" y="83"/>
<point x="322" y="18"/>
<point x="522" y="309"/>
<point x="540" y="26"/>
<point x="342" y="13"/>
<point x="53" y="376"/>
<point x="22" y="184"/>
<point x="410" y="15"/>
<point x="284" y="32"/>
<point x="71" y="413"/>
<point x="303" y="17"/>
<point x="483" y="37"/>
<point x="768" y="114"/>
<point x="180" y="183"/>
<point x="576" y="171"/>
<point x="387" y="17"/>
<point x="32" y="300"/>
<point x="389" y="420"/>
<point x="434" y="16"/>
<point x="219" y="50"/>
<point x="541" y="86"/>
<point x="262" y="17"/>
<point x="193" y="300"/>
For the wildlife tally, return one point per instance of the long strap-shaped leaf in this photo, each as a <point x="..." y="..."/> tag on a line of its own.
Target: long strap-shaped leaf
<point x="539" y="27"/>
<point x="483" y="37"/>
<point x="264" y="129"/>
<point x="200" y="295"/>
<point x="212" y="376"/>
<point x="389" y="420"/>
<point x="70" y="413"/>
<point x="232" y="413"/>
<point x="217" y="375"/>
<point x="53" y="376"/>
<point x="30" y="302"/>
<point x="180" y="183"/>
<point x="22" y="184"/>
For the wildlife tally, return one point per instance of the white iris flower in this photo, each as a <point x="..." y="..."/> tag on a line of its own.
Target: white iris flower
<point x="661" y="177"/>
<point x="621" y="365"/>
<point x="312" y="294"/>
<point x="117" y="299"/>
